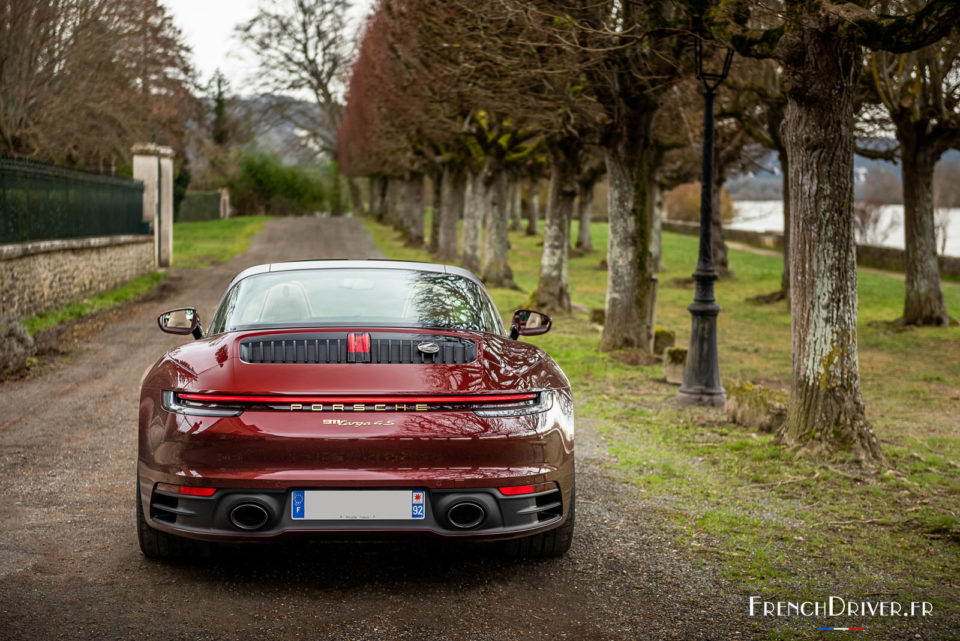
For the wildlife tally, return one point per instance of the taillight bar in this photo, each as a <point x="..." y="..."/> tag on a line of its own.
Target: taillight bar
<point x="343" y="400"/>
<point x="484" y="405"/>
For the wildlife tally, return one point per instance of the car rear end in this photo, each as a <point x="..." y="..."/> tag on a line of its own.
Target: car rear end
<point x="355" y="397"/>
<point x="391" y="446"/>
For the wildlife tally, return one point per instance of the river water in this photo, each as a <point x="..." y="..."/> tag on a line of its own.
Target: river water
<point x="767" y="215"/>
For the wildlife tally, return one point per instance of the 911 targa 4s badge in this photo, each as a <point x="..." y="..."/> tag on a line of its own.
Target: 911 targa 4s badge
<point x="344" y="397"/>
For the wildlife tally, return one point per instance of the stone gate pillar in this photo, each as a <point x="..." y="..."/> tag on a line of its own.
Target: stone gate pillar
<point x="153" y="164"/>
<point x="224" y="203"/>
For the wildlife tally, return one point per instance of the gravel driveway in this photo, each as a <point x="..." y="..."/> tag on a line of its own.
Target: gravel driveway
<point x="70" y="567"/>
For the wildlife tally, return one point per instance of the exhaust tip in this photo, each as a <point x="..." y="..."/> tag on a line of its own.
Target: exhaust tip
<point x="249" y="516"/>
<point x="466" y="515"/>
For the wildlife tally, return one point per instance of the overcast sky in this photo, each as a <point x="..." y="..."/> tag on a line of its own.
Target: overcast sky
<point x="207" y="26"/>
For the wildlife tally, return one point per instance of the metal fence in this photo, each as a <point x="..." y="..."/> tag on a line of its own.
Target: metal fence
<point x="40" y="202"/>
<point x="199" y="205"/>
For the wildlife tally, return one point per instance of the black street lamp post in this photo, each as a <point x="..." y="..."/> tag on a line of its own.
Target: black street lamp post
<point x="701" y="374"/>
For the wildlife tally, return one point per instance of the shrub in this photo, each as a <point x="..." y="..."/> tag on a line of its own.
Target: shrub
<point x="16" y="347"/>
<point x="264" y="185"/>
<point x="683" y="203"/>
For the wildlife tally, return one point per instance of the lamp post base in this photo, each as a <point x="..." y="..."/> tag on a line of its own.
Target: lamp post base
<point x="701" y="373"/>
<point x="703" y="397"/>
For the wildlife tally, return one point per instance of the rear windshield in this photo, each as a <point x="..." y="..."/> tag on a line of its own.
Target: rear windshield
<point x="369" y="297"/>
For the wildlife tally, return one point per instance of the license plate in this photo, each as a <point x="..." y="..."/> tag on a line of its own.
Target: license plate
<point x="358" y="505"/>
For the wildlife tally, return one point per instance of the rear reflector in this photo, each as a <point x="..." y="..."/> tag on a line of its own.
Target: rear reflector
<point x="186" y="490"/>
<point x="516" y="489"/>
<point x="197" y="491"/>
<point x="520" y="490"/>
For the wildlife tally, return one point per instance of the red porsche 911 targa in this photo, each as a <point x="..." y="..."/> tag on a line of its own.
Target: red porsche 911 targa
<point x="346" y="398"/>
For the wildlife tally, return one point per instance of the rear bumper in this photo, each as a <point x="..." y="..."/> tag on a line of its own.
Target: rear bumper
<point x="216" y="517"/>
<point x="260" y="457"/>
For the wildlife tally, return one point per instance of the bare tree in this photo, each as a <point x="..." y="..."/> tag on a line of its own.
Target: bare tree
<point x="819" y="46"/>
<point x="942" y="226"/>
<point x="618" y="59"/>
<point x="82" y="81"/>
<point x="869" y="225"/>
<point x="763" y="120"/>
<point x="303" y="48"/>
<point x="920" y="91"/>
<point x="591" y="171"/>
<point x="882" y="185"/>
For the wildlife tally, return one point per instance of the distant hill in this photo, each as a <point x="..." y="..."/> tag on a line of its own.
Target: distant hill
<point x="280" y="125"/>
<point x="767" y="185"/>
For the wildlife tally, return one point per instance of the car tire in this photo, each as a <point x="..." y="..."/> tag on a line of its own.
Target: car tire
<point x="553" y="543"/>
<point x="158" y="545"/>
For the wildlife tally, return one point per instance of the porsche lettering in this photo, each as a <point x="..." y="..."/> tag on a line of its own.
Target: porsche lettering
<point x="359" y="407"/>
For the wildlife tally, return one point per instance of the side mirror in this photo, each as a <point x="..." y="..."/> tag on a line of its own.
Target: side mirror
<point x="527" y="322"/>
<point x="184" y="320"/>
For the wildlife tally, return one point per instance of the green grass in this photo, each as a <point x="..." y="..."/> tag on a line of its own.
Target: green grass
<point x="771" y="520"/>
<point x="134" y="289"/>
<point x="201" y="244"/>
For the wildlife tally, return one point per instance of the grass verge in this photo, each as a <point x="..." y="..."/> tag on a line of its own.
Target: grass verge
<point x="204" y="243"/>
<point x="778" y="525"/>
<point x="132" y="290"/>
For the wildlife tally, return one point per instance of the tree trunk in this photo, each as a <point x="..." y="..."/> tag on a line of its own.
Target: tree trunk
<point x="785" y="169"/>
<point x="826" y="411"/>
<point x="533" y="211"/>
<point x="516" y="205"/>
<point x="334" y="198"/>
<point x="923" y="304"/>
<point x="496" y="271"/>
<point x="629" y="285"/>
<point x="472" y="233"/>
<point x="718" y="244"/>
<point x="356" y="198"/>
<point x="437" y="183"/>
<point x="335" y="190"/>
<point x="453" y="185"/>
<point x="553" y="291"/>
<point x="585" y="213"/>
<point x="655" y="204"/>
<point x="414" y="212"/>
<point x="392" y="201"/>
<point x="378" y="187"/>
<point x="383" y="184"/>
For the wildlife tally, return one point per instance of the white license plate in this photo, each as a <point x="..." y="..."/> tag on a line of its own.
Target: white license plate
<point x="358" y="505"/>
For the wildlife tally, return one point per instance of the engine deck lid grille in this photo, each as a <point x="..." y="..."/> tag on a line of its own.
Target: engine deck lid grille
<point x="322" y="348"/>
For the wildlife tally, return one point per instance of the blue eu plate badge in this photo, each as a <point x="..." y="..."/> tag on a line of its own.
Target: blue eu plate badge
<point x="298" y="504"/>
<point x="416" y="499"/>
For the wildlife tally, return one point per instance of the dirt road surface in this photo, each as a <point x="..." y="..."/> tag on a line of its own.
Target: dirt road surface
<point x="70" y="567"/>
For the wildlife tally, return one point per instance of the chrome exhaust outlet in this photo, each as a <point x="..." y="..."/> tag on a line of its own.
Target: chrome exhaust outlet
<point x="466" y="515"/>
<point x="249" y="516"/>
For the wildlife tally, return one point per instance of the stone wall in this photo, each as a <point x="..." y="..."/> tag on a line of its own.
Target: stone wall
<point x="889" y="258"/>
<point x="40" y="276"/>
